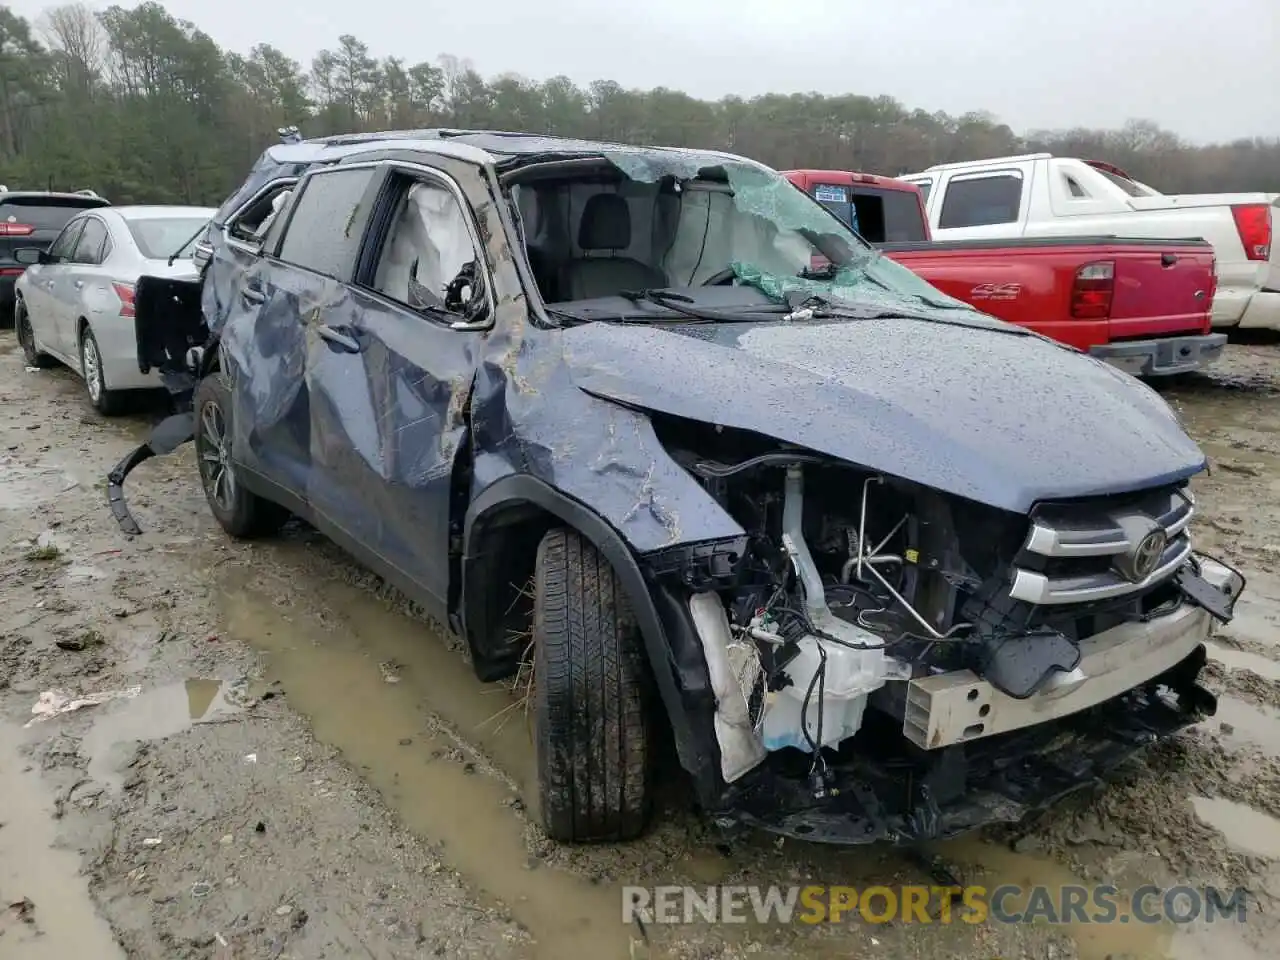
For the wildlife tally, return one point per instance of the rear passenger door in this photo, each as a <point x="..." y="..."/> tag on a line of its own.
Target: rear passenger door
<point x="390" y="384"/>
<point x="81" y="275"/>
<point x="277" y="315"/>
<point x="46" y="287"/>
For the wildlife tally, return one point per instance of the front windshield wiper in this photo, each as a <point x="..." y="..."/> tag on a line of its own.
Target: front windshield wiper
<point x="817" y="307"/>
<point x="681" y="304"/>
<point x="187" y="242"/>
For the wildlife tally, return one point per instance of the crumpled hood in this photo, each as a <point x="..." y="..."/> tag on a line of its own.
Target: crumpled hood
<point x="999" y="418"/>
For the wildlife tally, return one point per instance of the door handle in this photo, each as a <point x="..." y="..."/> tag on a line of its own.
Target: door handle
<point x="253" y="296"/>
<point x="340" y="338"/>
<point x="1168" y="259"/>
<point x="79" y="284"/>
<point x="49" y="284"/>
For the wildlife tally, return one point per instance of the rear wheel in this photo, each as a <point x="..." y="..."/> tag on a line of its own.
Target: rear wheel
<point x="591" y="695"/>
<point x="106" y="402"/>
<point x="239" y="512"/>
<point x="27" y="337"/>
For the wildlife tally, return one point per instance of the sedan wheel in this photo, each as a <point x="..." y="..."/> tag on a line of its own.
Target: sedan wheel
<point x="104" y="401"/>
<point x="27" y="338"/>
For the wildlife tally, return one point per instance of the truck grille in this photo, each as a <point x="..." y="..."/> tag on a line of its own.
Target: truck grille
<point x="1089" y="552"/>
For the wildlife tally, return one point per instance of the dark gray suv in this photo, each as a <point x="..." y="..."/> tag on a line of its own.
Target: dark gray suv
<point x="879" y="566"/>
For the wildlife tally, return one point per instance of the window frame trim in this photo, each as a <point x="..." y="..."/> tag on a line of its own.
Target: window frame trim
<point x="1013" y="173"/>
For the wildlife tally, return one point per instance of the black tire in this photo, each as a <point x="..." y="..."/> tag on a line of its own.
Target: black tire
<point x="591" y="697"/>
<point x="27" y="337"/>
<point x="240" y="512"/>
<point x="106" y="402"/>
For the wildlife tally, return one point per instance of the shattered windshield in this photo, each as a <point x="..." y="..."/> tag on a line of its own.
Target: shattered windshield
<point x="670" y="220"/>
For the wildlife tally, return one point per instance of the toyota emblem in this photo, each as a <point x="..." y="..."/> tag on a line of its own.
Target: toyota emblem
<point x="1146" y="556"/>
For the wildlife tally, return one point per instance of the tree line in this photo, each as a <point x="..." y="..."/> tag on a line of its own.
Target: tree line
<point x="143" y="107"/>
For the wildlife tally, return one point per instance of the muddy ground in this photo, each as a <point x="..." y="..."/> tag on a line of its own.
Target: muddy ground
<point x="293" y="763"/>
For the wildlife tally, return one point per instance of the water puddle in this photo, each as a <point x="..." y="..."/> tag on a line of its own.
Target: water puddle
<point x="1245" y="828"/>
<point x="1099" y="941"/>
<point x="1234" y="659"/>
<point x="152" y="715"/>
<point x="1244" y="724"/>
<point x="61" y="921"/>
<point x="335" y="671"/>
<point x="25" y="487"/>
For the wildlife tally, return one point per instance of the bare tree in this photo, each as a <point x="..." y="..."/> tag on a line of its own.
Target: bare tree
<point x="74" y="34"/>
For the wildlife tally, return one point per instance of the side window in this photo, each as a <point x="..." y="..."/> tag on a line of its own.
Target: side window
<point x="327" y="222"/>
<point x="1073" y="186"/>
<point x="92" y="242"/>
<point x="251" y="224"/>
<point x="981" y="201"/>
<point x="925" y="186"/>
<point x="65" y="242"/>
<point x="429" y="261"/>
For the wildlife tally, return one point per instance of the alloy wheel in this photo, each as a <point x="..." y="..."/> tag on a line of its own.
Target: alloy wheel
<point x="215" y="456"/>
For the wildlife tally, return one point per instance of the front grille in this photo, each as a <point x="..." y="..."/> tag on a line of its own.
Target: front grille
<point x="1088" y="552"/>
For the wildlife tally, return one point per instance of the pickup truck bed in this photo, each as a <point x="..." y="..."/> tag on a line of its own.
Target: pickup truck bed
<point x="1141" y="304"/>
<point x="1150" y="316"/>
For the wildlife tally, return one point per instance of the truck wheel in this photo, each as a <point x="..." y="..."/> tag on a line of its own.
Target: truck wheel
<point x="27" y="337"/>
<point x="240" y="512"/>
<point x="591" y="697"/>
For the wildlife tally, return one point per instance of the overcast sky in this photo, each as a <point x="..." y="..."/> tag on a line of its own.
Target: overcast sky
<point x="1206" y="69"/>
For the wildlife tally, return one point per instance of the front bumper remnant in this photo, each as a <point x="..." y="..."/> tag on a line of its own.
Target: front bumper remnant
<point x="1135" y="685"/>
<point x="169" y="434"/>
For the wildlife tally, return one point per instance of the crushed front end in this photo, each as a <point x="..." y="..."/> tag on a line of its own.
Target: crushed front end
<point x="889" y="662"/>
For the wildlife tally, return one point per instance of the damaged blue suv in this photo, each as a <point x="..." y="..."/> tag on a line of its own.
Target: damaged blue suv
<point x="879" y="566"/>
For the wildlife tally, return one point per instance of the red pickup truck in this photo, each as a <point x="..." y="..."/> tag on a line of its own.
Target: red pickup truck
<point x="1142" y="305"/>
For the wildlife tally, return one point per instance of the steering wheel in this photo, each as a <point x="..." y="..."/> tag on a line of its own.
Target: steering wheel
<point x="720" y="278"/>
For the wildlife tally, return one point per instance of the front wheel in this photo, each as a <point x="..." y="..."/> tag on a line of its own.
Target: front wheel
<point x="592" y="697"/>
<point x="27" y="337"/>
<point x="239" y="511"/>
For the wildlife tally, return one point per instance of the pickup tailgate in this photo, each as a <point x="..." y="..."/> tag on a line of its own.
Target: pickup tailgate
<point x="1082" y="291"/>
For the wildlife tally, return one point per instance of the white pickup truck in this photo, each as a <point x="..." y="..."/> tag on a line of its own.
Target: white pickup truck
<point x="1040" y="195"/>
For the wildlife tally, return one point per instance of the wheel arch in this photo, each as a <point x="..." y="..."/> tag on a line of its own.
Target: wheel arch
<point x="517" y="510"/>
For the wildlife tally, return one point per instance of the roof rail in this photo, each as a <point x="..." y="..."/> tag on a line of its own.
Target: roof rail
<point x="88" y="193"/>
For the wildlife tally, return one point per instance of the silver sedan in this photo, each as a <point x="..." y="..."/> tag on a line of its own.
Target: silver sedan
<point x="74" y="303"/>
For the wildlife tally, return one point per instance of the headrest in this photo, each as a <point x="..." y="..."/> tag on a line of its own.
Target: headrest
<point x="606" y="223"/>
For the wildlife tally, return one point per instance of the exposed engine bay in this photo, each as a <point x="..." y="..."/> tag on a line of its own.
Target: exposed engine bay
<point x="854" y="584"/>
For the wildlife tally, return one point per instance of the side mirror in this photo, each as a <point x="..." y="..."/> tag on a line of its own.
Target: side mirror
<point x="30" y="256"/>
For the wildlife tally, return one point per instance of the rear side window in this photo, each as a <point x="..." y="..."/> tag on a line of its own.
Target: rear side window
<point x="982" y="201"/>
<point x="327" y="222"/>
<point x="251" y="224"/>
<point x="66" y="241"/>
<point x="92" y="243"/>
<point x="835" y="198"/>
<point x="888" y="216"/>
<point x="925" y="187"/>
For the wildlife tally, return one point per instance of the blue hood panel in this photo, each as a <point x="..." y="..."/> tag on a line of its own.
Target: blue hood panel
<point x="999" y="418"/>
